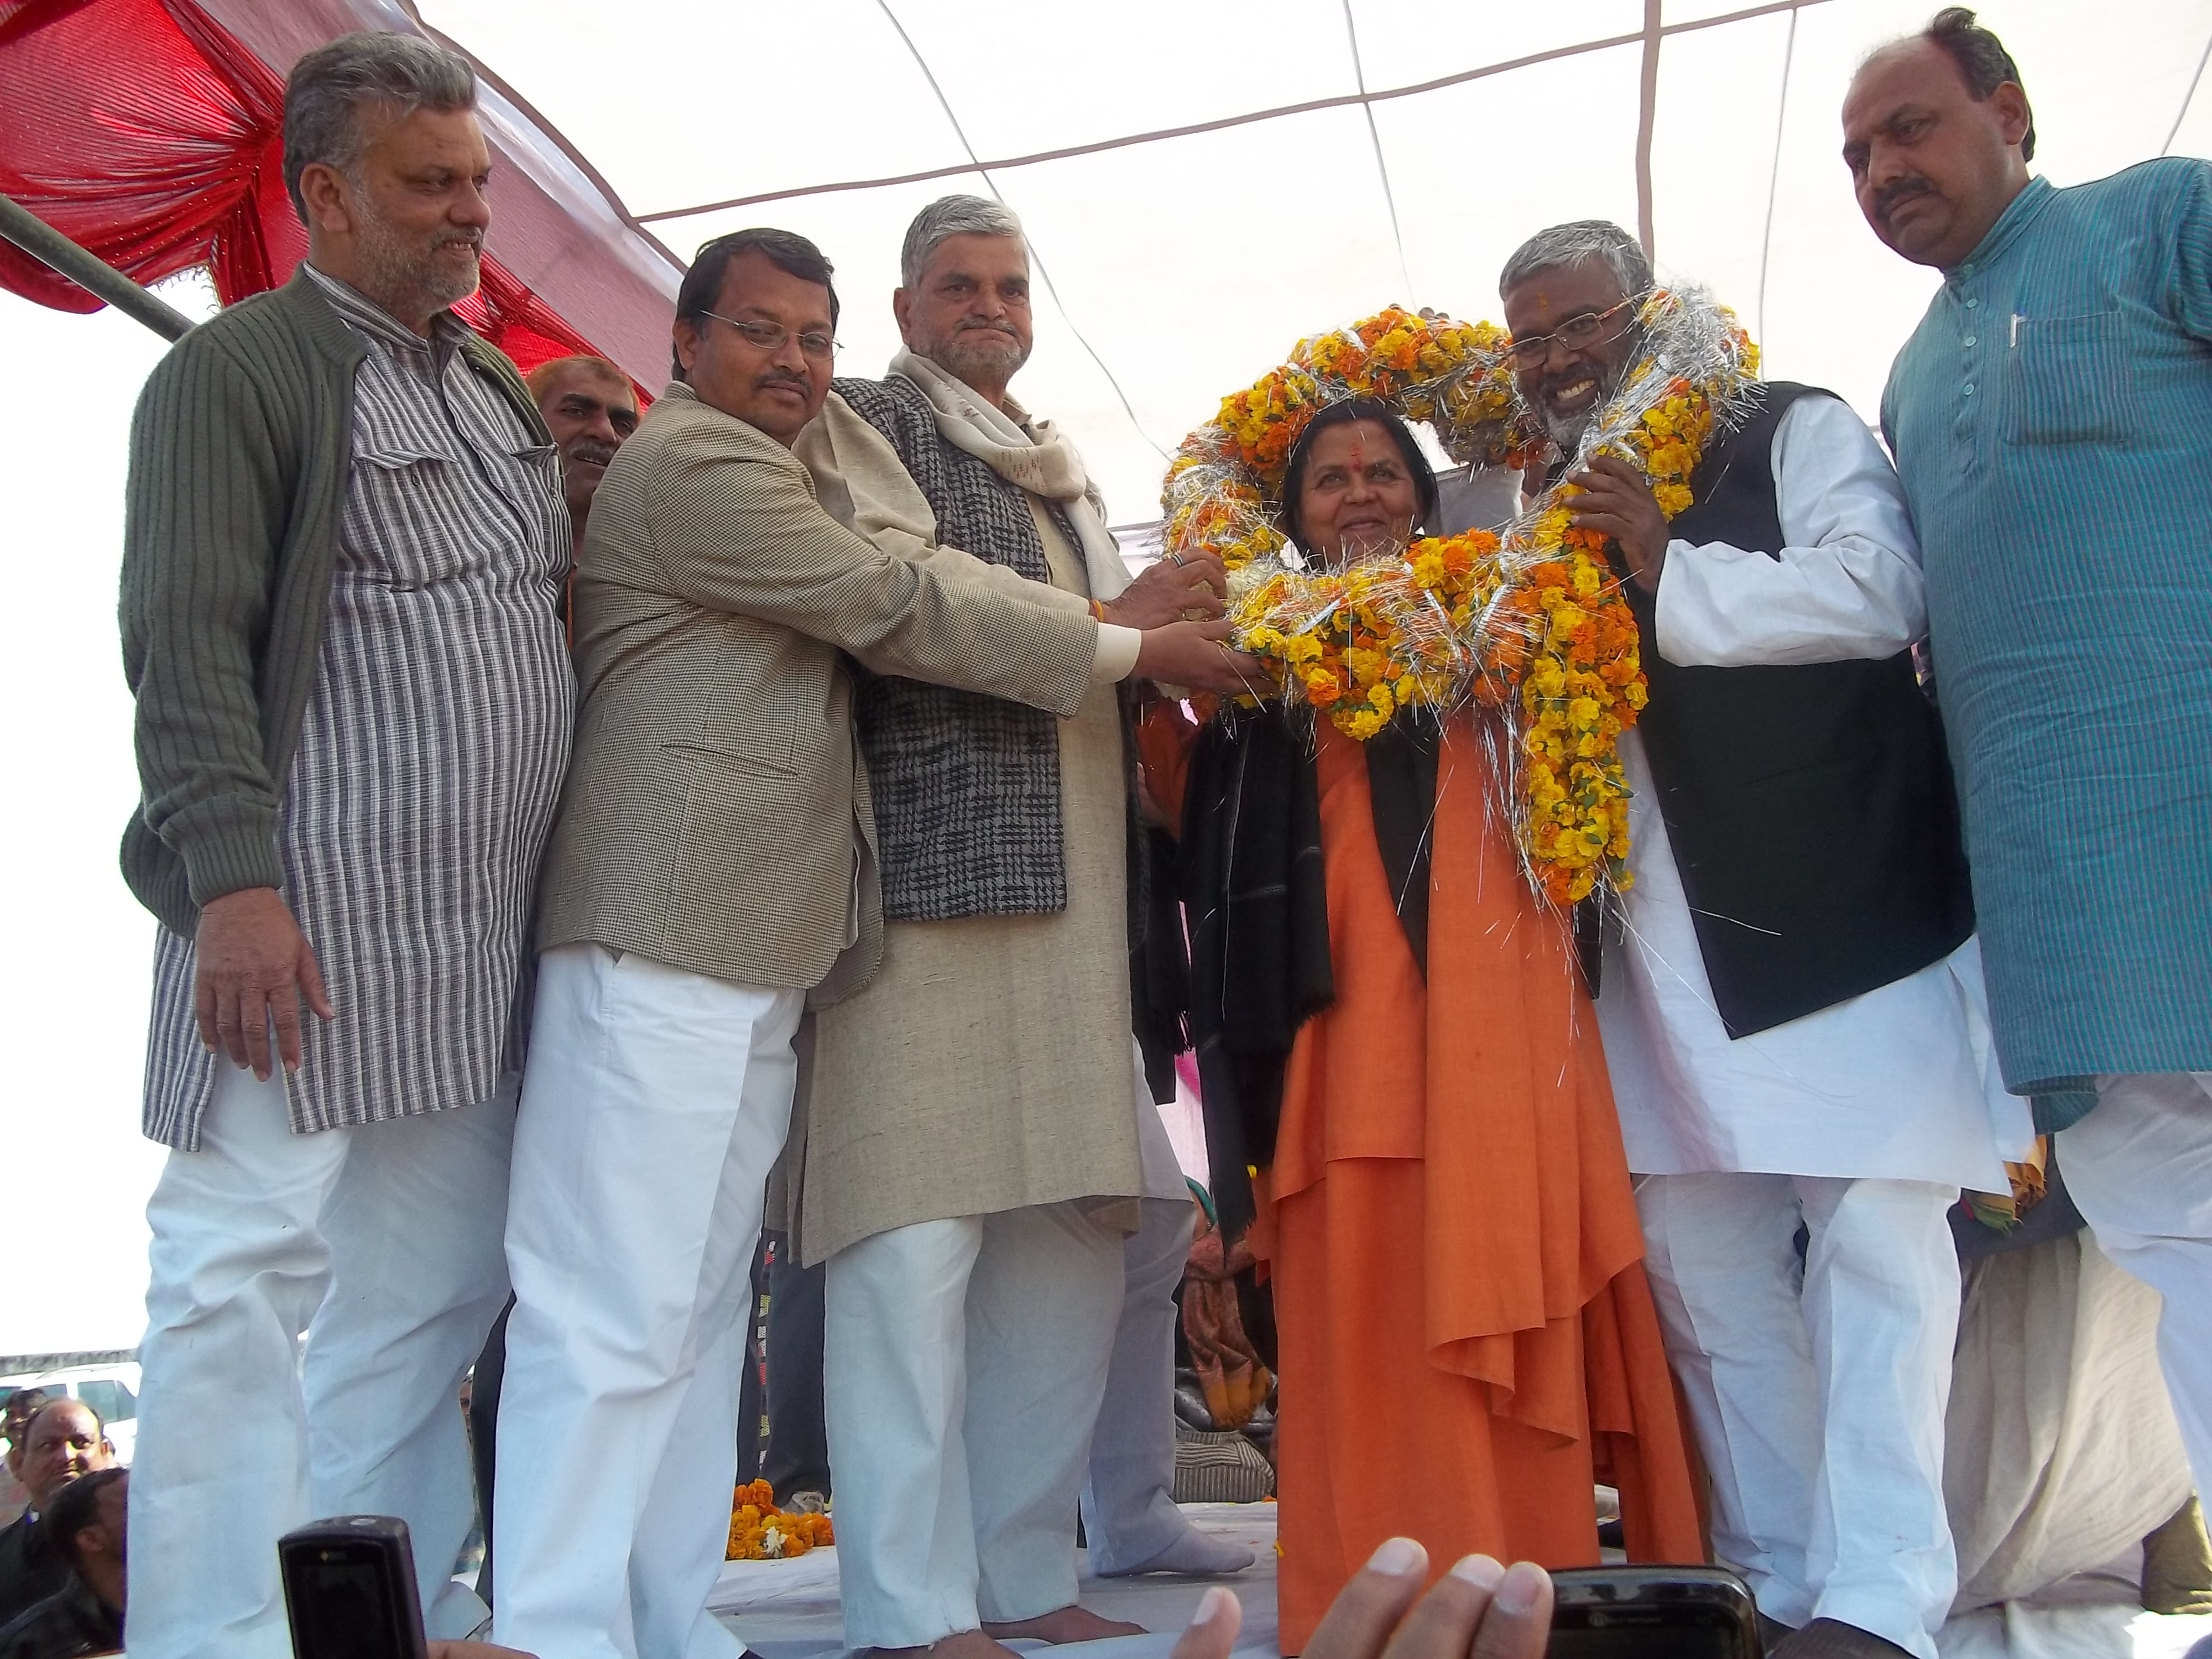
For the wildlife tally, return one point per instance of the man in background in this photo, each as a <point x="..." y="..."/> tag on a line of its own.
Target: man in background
<point x="14" y="1416"/>
<point x="2052" y="418"/>
<point x="589" y="407"/>
<point x="86" y="1525"/>
<point x="63" y="1440"/>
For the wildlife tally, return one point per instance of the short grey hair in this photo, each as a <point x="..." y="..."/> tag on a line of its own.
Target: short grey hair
<point x="326" y="87"/>
<point x="1581" y="242"/>
<point x="944" y="219"/>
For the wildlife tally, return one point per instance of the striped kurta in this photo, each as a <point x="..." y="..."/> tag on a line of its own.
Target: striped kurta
<point x="430" y="758"/>
<point x="2051" y="419"/>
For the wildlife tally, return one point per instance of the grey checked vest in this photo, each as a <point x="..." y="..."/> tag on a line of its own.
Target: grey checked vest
<point x="966" y="787"/>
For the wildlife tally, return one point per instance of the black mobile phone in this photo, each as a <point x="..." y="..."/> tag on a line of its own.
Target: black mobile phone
<point x="1652" y="1612"/>
<point x="350" y="1589"/>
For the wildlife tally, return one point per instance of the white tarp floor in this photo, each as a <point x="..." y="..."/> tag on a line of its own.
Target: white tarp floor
<point x="788" y="1609"/>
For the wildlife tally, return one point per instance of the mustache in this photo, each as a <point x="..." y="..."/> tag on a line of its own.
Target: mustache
<point x="593" y="452"/>
<point x="1892" y="194"/>
<point x="782" y="377"/>
<point x="995" y="328"/>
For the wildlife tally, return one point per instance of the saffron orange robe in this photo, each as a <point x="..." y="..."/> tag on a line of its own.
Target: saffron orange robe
<point x="1467" y="1342"/>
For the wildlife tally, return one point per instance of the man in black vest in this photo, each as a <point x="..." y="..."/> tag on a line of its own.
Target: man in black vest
<point x="1791" y="1003"/>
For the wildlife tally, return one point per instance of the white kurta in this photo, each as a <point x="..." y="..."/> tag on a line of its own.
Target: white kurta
<point x="1900" y="1082"/>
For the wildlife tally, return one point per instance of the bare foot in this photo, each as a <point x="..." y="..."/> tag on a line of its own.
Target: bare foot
<point x="1068" y="1624"/>
<point x="961" y="1644"/>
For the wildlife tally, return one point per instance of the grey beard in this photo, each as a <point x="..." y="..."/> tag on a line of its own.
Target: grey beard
<point x="397" y="271"/>
<point x="963" y="355"/>
<point x="1568" y="431"/>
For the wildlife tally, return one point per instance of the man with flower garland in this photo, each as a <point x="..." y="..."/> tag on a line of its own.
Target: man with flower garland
<point x="2053" y="421"/>
<point x="979" y="1136"/>
<point x="1789" y="1012"/>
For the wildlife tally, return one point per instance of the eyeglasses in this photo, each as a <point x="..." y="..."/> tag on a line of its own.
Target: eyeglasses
<point x="770" y="337"/>
<point x="1574" y="334"/>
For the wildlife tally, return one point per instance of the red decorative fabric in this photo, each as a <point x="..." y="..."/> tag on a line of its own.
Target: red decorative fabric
<point x="144" y="131"/>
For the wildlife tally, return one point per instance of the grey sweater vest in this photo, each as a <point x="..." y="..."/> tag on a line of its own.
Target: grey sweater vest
<point x="966" y="787"/>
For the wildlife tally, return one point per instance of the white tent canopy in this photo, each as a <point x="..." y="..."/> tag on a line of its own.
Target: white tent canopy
<point x="1189" y="264"/>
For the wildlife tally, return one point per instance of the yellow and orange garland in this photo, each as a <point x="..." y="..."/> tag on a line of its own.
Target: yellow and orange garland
<point x="760" y="1531"/>
<point x="1533" y="624"/>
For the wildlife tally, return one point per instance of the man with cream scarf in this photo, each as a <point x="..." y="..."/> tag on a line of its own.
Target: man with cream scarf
<point x="979" y="1143"/>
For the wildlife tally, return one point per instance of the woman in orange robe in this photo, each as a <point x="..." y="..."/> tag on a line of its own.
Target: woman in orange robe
<point x="1467" y="1343"/>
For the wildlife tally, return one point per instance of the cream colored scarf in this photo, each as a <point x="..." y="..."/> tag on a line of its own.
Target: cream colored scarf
<point x="1027" y="454"/>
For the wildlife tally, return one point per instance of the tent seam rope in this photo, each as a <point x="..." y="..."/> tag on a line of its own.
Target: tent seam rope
<point x="1278" y="112"/>
<point x="2187" y="99"/>
<point x="1375" y="138"/>
<point x="1774" y="177"/>
<point x="1647" y="117"/>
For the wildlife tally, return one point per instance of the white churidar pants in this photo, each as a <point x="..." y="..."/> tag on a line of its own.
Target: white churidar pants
<point x="1818" y="1392"/>
<point x="381" y="1243"/>
<point x="963" y="1364"/>
<point x="1129" y="1514"/>
<point x="654" y="1104"/>
<point x="2140" y="1170"/>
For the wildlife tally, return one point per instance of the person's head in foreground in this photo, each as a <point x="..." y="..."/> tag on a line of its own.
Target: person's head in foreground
<point x="589" y="407"/>
<point x="1356" y="484"/>
<point x="756" y="329"/>
<point x="387" y="168"/>
<point x="88" y="1522"/>
<point x="1570" y="296"/>
<point x="1938" y="135"/>
<point x="63" y="1441"/>
<point x="963" y="295"/>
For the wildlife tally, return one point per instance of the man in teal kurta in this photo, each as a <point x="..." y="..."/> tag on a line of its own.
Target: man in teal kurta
<point x="2051" y="419"/>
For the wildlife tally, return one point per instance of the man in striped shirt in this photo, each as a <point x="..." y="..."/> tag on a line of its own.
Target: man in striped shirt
<point x="343" y="560"/>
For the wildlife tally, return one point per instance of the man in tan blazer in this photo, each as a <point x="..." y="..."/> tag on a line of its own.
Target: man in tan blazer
<point x="712" y="863"/>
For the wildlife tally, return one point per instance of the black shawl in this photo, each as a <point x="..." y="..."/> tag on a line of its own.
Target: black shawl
<point x="1257" y="901"/>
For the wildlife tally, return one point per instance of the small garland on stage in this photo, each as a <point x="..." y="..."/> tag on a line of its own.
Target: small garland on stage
<point x="1532" y="622"/>
<point x="760" y="1531"/>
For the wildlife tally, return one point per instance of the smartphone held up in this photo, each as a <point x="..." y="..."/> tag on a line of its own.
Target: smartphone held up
<point x="350" y="1589"/>
<point x="1652" y="1612"/>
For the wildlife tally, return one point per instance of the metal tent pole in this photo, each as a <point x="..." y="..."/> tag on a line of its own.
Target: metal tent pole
<point x="88" y="271"/>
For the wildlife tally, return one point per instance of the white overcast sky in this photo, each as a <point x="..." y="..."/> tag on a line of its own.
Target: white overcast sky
<point x="1189" y="266"/>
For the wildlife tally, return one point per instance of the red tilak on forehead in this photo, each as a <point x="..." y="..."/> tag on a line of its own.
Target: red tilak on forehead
<point x="1359" y="455"/>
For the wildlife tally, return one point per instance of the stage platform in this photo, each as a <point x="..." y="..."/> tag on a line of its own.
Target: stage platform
<point x="788" y="1609"/>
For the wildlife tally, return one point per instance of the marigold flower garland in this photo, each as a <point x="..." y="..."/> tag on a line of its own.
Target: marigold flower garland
<point x="760" y="1531"/>
<point x="1456" y="376"/>
<point x="1533" y="624"/>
